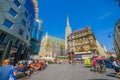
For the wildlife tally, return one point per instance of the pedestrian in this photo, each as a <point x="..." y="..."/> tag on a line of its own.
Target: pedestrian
<point x="116" y="67"/>
<point x="94" y="63"/>
<point x="5" y="70"/>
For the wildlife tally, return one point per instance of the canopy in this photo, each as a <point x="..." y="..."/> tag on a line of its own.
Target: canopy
<point x="47" y="58"/>
<point x="98" y="59"/>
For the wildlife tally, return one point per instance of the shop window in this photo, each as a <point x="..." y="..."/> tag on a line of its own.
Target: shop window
<point x="8" y="23"/>
<point x="2" y="37"/>
<point x="16" y="43"/>
<point x="12" y="12"/>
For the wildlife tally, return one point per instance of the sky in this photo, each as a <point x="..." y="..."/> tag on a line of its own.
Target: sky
<point x="100" y="15"/>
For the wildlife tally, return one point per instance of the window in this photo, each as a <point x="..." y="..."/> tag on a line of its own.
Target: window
<point x="17" y="3"/>
<point x="7" y="23"/>
<point x="26" y="14"/>
<point x="2" y="37"/>
<point x="12" y="12"/>
<point x="20" y="32"/>
<point x="119" y="28"/>
<point x="23" y="22"/>
<point x="16" y="43"/>
<point x="28" y="29"/>
<point x="27" y="37"/>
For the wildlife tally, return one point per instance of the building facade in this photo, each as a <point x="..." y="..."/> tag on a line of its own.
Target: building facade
<point x="36" y="32"/>
<point x="16" y="20"/>
<point x="36" y="36"/>
<point x="117" y="38"/>
<point x="82" y="42"/>
<point x="51" y="47"/>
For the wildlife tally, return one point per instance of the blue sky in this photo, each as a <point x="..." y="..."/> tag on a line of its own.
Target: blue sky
<point x="101" y="15"/>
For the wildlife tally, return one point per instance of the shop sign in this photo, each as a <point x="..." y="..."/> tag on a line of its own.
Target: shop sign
<point x="2" y="47"/>
<point x="13" y="50"/>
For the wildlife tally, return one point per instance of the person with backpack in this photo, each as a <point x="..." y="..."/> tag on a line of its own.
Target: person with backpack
<point x="116" y="66"/>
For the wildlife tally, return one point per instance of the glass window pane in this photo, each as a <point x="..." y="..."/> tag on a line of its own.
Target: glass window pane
<point x="12" y="12"/>
<point x="20" y="32"/>
<point x="26" y="14"/>
<point x="23" y="22"/>
<point x="17" y="3"/>
<point x="7" y="23"/>
<point x="27" y="37"/>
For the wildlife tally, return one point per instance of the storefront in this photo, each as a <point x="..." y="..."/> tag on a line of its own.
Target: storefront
<point x="13" y="52"/>
<point x="2" y="47"/>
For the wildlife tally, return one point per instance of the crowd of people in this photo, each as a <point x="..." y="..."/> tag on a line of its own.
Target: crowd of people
<point x="27" y="67"/>
<point x="99" y="64"/>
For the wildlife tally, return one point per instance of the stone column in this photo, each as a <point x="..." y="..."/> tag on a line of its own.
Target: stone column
<point x="18" y="54"/>
<point x="7" y="50"/>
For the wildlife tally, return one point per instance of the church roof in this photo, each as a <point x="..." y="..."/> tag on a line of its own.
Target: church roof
<point x="55" y="39"/>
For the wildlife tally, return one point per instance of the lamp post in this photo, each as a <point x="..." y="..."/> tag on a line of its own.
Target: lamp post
<point x="110" y="34"/>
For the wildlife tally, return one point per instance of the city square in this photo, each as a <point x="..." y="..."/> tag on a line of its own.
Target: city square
<point x="59" y="40"/>
<point x="71" y="72"/>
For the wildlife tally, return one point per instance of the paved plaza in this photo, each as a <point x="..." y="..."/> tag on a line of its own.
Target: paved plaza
<point x="71" y="72"/>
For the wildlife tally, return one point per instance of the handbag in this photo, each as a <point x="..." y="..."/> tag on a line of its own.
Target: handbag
<point x="11" y="76"/>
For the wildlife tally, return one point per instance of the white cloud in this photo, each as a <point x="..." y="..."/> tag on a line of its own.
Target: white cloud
<point x="107" y="14"/>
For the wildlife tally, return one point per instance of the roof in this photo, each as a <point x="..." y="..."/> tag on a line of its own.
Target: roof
<point x="55" y="39"/>
<point x="80" y="30"/>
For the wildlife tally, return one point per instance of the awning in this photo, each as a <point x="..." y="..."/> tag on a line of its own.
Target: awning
<point x="78" y="56"/>
<point x="77" y="53"/>
<point x="47" y="58"/>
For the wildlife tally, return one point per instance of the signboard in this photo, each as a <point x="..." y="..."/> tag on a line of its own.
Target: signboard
<point x="2" y="46"/>
<point x="82" y="52"/>
<point x="13" y="50"/>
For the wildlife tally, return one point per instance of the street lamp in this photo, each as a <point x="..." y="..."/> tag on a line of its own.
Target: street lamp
<point x="110" y="34"/>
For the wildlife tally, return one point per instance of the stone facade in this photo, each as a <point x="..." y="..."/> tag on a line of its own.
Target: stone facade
<point x="117" y="38"/>
<point x="51" y="47"/>
<point x="83" y="43"/>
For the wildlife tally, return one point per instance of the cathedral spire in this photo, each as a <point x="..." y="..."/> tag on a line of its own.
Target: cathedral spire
<point x="68" y="27"/>
<point x="68" y="24"/>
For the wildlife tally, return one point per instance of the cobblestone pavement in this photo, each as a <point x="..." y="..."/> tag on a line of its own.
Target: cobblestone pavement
<point x="71" y="72"/>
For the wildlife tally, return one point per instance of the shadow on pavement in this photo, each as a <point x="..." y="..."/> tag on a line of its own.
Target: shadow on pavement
<point x="112" y="75"/>
<point x="99" y="79"/>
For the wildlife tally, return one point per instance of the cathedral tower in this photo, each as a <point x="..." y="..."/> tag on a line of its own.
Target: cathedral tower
<point x="68" y="31"/>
